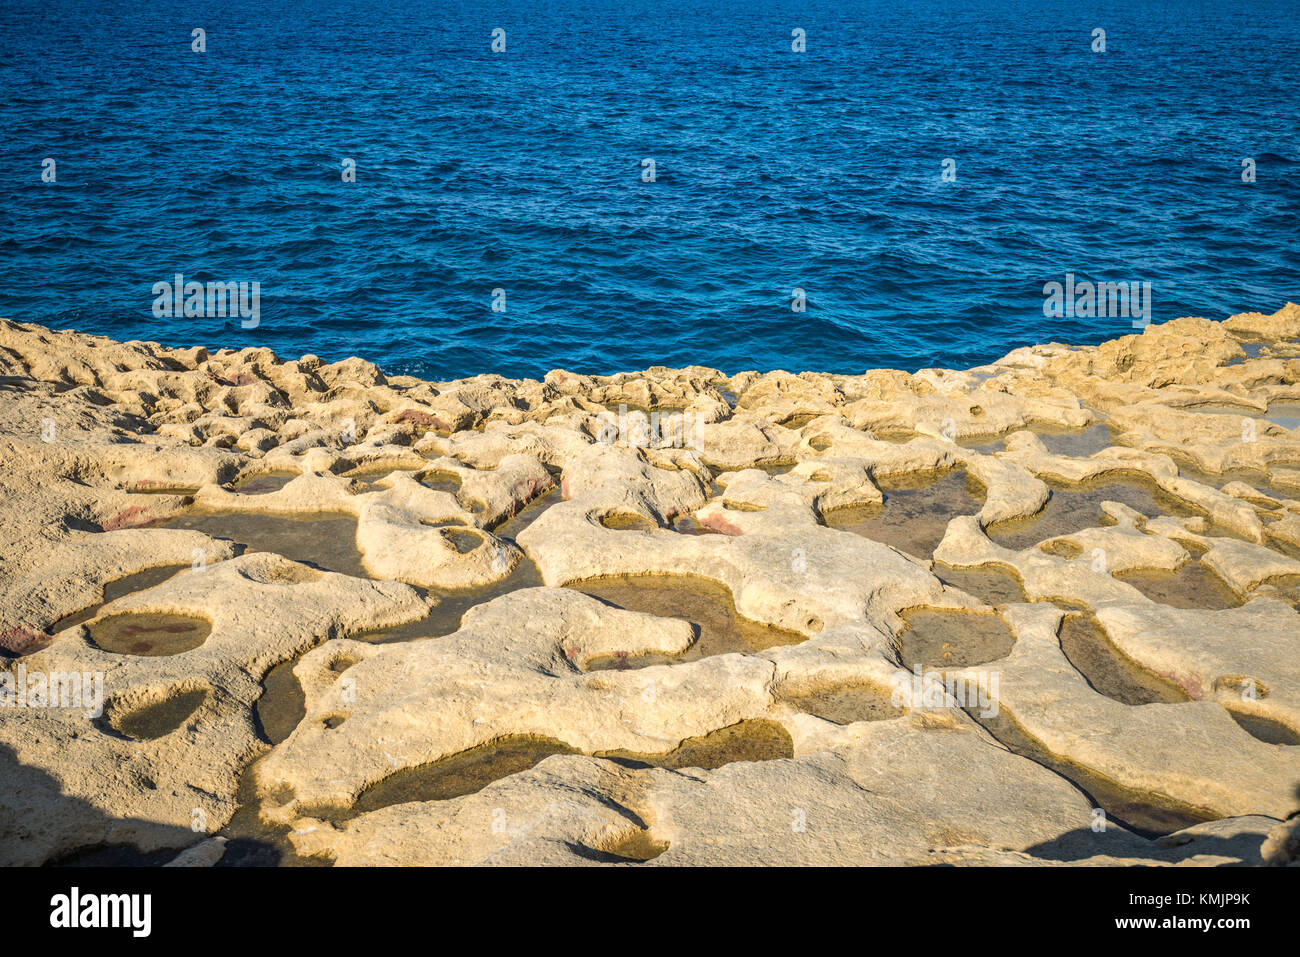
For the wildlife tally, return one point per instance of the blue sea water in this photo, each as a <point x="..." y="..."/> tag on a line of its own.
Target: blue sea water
<point x="522" y="171"/>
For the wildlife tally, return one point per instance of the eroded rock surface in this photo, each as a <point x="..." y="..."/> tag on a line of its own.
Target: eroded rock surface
<point x="1090" y="557"/>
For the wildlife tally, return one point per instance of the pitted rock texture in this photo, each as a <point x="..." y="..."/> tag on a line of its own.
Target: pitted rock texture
<point x="450" y="696"/>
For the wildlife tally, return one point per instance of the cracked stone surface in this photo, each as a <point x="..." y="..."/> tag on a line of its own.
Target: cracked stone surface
<point x="392" y="570"/>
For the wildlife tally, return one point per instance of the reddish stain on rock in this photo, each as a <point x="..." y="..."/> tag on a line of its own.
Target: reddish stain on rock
<point x="22" y="640"/>
<point x="688" y="524"/>
<point x="525" y="490"/>
<point x="1189" y="683"/>
<point x="259" y="485"/>
<point x="720" y="524"/>
<point x="423" y="420"/>
<point x="137" y="516"/>
<point x="236" y="380"/>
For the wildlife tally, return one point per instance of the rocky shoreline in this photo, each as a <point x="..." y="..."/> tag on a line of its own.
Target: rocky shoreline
<point x="1039" y="612"/>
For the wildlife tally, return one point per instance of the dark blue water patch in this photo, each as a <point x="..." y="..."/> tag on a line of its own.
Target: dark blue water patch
<point x="522" y="171"/>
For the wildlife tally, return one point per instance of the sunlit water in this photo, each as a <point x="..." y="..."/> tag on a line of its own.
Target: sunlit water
<point x="522" y="171"/>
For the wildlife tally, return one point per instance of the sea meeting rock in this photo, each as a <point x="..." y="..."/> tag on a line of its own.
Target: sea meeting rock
<point x="513" y="740"/>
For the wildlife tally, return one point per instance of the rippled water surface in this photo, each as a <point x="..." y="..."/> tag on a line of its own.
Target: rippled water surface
<point x="522" y="171"/>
